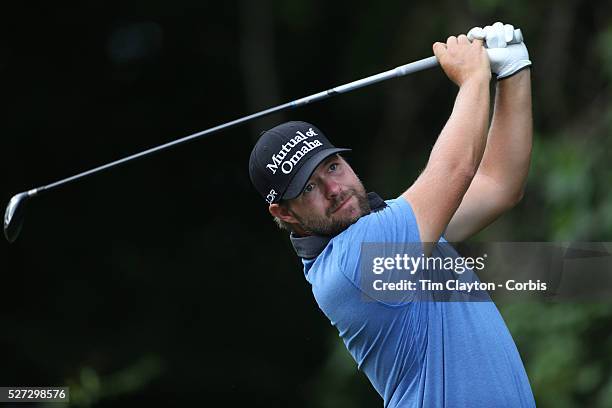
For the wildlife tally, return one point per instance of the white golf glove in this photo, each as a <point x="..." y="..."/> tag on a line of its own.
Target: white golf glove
<point x="506" y="59"/>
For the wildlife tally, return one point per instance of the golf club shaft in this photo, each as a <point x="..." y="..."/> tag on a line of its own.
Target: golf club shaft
<point x="402" y="70"/>
<point x="393" y="73"/>
<point x="14" y="213"/>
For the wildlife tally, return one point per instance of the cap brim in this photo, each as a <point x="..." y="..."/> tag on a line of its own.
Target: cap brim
<point x="298" y="182"/>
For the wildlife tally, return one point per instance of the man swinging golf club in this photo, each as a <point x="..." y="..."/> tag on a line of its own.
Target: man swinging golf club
<point x="415" y="353"/>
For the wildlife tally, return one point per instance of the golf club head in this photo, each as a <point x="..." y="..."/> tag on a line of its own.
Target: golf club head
<point x="13" y="216"/>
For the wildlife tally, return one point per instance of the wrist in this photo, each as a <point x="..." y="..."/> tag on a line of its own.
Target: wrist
<point x="515" y="84"/>
<point x="521" y="72"/>
<point x="479" y="79"/>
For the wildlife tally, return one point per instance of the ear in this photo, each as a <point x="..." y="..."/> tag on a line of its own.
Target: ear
<point x="283" y="213"/>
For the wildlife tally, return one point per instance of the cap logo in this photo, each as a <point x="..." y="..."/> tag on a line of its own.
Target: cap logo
<point x="286" y="166"/>
<point x="271" y="196"/>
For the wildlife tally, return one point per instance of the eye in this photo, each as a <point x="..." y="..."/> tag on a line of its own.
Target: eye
<point x="333" y="167"/>
<point x="309" y="188"/>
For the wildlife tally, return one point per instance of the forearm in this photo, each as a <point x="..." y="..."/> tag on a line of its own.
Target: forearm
<point x="454" y="159"/>
<point x="437" y="193"/>
<point x="461" y="143"/>
<point x="508" y="151"/>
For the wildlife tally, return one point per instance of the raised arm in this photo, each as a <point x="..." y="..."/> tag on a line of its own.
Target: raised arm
<point x="456" y="155"/>
<point x="500" y="180"/>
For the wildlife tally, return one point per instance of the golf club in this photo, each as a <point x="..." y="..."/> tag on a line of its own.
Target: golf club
<point x="15" y="210"/>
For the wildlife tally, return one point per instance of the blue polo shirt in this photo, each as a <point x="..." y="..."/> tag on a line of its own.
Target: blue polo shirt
<point x="415" y="353"/>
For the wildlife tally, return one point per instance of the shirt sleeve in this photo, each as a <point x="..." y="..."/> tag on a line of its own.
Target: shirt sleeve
<point x="394" y="223"/>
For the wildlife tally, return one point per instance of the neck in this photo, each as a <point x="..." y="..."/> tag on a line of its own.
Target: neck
<point x="298" y="231"/>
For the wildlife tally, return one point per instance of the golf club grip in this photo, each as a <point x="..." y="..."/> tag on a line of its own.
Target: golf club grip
<point x="431" y="62"/>
<point x="402" y="70"/>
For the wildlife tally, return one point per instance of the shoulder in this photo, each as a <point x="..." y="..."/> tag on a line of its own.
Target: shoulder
<point x="395" y="222"/>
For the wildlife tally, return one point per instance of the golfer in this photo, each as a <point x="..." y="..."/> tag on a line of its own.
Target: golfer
<point x="415" y="353"/>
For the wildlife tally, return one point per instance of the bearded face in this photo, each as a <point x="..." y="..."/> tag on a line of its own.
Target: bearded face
<point x="332" y="200"/>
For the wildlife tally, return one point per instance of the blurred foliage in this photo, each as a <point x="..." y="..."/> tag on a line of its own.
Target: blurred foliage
<point x="91" y="388"/>
<point x="166" y="282"/>
<point x="566" y="349"/>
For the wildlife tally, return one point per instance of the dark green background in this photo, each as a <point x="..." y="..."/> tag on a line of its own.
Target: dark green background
<point x="165" y="281"/>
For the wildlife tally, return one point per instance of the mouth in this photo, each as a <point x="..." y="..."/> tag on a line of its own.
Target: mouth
<point x="341" y="206"/>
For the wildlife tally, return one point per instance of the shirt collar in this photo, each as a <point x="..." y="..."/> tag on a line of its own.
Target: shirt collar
<point x="311" y="246"/>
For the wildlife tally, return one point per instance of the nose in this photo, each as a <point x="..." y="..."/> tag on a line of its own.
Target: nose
<point x="332" y="188"/>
